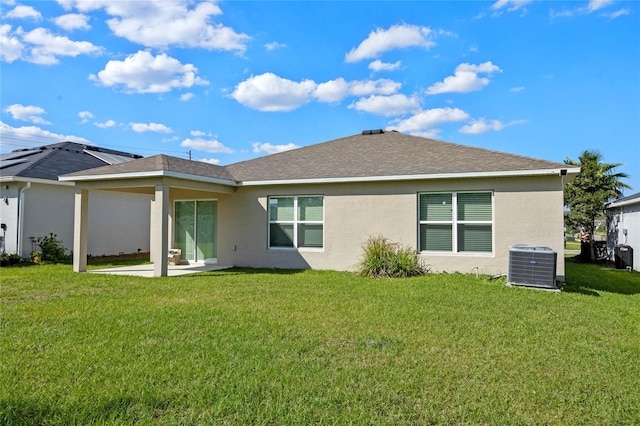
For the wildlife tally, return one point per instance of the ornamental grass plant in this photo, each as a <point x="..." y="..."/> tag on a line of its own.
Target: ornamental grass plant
<point x="383" y="258"/>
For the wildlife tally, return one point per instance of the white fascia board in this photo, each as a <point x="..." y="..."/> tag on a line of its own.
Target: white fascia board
<point x="511" y="173"/>
<point x="153" y="173"/>
<point x="21" y="179"/>
<point x="623" y="203"/>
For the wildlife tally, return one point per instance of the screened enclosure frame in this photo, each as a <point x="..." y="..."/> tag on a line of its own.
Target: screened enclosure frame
<point x="456" y="222"/>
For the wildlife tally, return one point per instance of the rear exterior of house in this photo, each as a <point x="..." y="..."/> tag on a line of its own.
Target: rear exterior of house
<point x="461" y="208"/>
<point x="349" y="213"/>
<point x="35" y="204"/>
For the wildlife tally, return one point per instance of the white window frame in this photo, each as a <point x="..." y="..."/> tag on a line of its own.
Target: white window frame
<point x="295" y="222"/>
<point x="454" y="222"/>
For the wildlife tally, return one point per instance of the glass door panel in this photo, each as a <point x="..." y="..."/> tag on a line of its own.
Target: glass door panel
<point x="185" y="228"/>
<point x="196" y="229"/>
<point x="207" y="212"/>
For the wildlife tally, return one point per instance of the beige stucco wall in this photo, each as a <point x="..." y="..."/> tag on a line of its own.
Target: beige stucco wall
<point x="527" y="210"/>
<point x="118" y="222"/>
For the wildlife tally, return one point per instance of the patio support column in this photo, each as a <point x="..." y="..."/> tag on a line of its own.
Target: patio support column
<point x="160" y="220"/>
<point x="80" y="229"/>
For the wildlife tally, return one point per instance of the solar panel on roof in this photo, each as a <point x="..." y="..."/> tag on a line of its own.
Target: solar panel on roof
<point x="109" y="158"/>
<point x="5" y="164"/>
<point x="18" y="154"/>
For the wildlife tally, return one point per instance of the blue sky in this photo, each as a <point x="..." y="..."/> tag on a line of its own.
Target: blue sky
<point x="230" y="81"/>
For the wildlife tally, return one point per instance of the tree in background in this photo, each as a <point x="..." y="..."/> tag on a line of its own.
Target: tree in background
<point x="586" y="195"/>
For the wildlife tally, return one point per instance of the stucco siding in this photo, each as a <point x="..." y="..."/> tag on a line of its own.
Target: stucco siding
<point x="526" y="211"/>
<point x="118" y="222"/>
<point x="47" y="209"/>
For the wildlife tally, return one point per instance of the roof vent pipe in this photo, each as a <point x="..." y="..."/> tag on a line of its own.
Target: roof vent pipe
<point x="373" y="132"/>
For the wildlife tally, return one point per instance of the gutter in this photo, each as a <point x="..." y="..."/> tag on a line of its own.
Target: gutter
<point x="563" y="172"/>
<point x="21" y="217"/>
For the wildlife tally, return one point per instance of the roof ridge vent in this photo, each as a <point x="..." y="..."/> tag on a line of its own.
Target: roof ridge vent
<point x="373" y="132"/>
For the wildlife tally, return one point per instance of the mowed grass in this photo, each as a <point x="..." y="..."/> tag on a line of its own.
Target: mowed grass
<point x="304" y="347"/>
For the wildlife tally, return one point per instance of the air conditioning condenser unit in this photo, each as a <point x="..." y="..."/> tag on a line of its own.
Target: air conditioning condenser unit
<point x="532" y="266"/>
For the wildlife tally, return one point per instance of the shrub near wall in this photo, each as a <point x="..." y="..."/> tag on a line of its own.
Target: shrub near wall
<point x="383" y="258"/>
<point x="52" y="249"/>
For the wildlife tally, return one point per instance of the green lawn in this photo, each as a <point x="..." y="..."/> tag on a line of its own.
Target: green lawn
<point x="293" y="347"/>
<point x="572" y="245"/>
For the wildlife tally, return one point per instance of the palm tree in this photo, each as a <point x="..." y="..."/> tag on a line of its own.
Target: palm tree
<point x="586" y="195"/>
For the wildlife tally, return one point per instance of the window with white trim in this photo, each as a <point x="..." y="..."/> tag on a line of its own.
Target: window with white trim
<point x="456" y="222"/>
<point x="296" y="221"/>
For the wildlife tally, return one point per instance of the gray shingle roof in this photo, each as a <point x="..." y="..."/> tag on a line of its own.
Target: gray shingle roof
<point x="51" y="161"/>
<point x="382" y="154"/>
<point x="385" y="154"/>
<point x="158" y="163"/>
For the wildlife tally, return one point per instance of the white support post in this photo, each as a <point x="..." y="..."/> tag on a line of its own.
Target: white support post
<point x="160" y="219"/>
<point x="80" y="230"/>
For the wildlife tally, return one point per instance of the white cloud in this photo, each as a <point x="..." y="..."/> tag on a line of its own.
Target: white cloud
<point x="73" y="21"/>
<point x="186" y="96"/>
<point x="213" y="161"/>
<point x="274" y="45"/>
<point x="598" y="4"/>
<point x="150" y="127"/>
<point x="381" y="86"/>
<point x="378" y="65"/>
<point x="332" y="91"/>
<point x="272" y="149"/>
<point x="48" y="47"/>
<point x="387" y="105"/>
<point x="27" y="113"/>
<point x="481" y="126"/>
<point x="198" y="133"/>
<point x="617" y="13"/>
<point x="510" y="5"/>
<point x="85" y="116"/>
<point x="10" y="46"/>
<point x="517" y="89"/>
<point x="161" y="24"/>
<point x="106" y="124"/>
<point x="23" y="12"/>
<point x="465" y="79"/>
<point x="486" y="67"/>
<point x="268" y="92"/>
<point x="33" y="134"/>
<point x="144" y="73"/>
<point x="396" y="37"/>
<point x="562" y="14"/>
<point x="426" y="120"/>
<point x="205" y="145"/>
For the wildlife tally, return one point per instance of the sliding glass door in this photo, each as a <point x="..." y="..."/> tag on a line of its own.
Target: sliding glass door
<point x="195" y="225"/>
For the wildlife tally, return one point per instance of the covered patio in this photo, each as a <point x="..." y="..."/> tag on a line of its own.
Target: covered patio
<point x="166" y="180"/>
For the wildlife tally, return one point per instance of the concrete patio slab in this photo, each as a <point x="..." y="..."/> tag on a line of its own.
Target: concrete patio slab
<point x="146" y="270"/>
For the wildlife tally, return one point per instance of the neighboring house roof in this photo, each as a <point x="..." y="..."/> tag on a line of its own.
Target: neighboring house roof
<point x="50" y="161"/>
<point x="372" y="155"/>
<point x="626" y="201"/>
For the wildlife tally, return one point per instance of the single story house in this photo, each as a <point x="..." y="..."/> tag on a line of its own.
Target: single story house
<point x="623" y="225"/>
<point x="34" y="203"/>
<point x="313" y="207"/>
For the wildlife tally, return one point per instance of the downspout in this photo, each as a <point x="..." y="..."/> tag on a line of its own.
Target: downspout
<point x="21" y="217"/>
